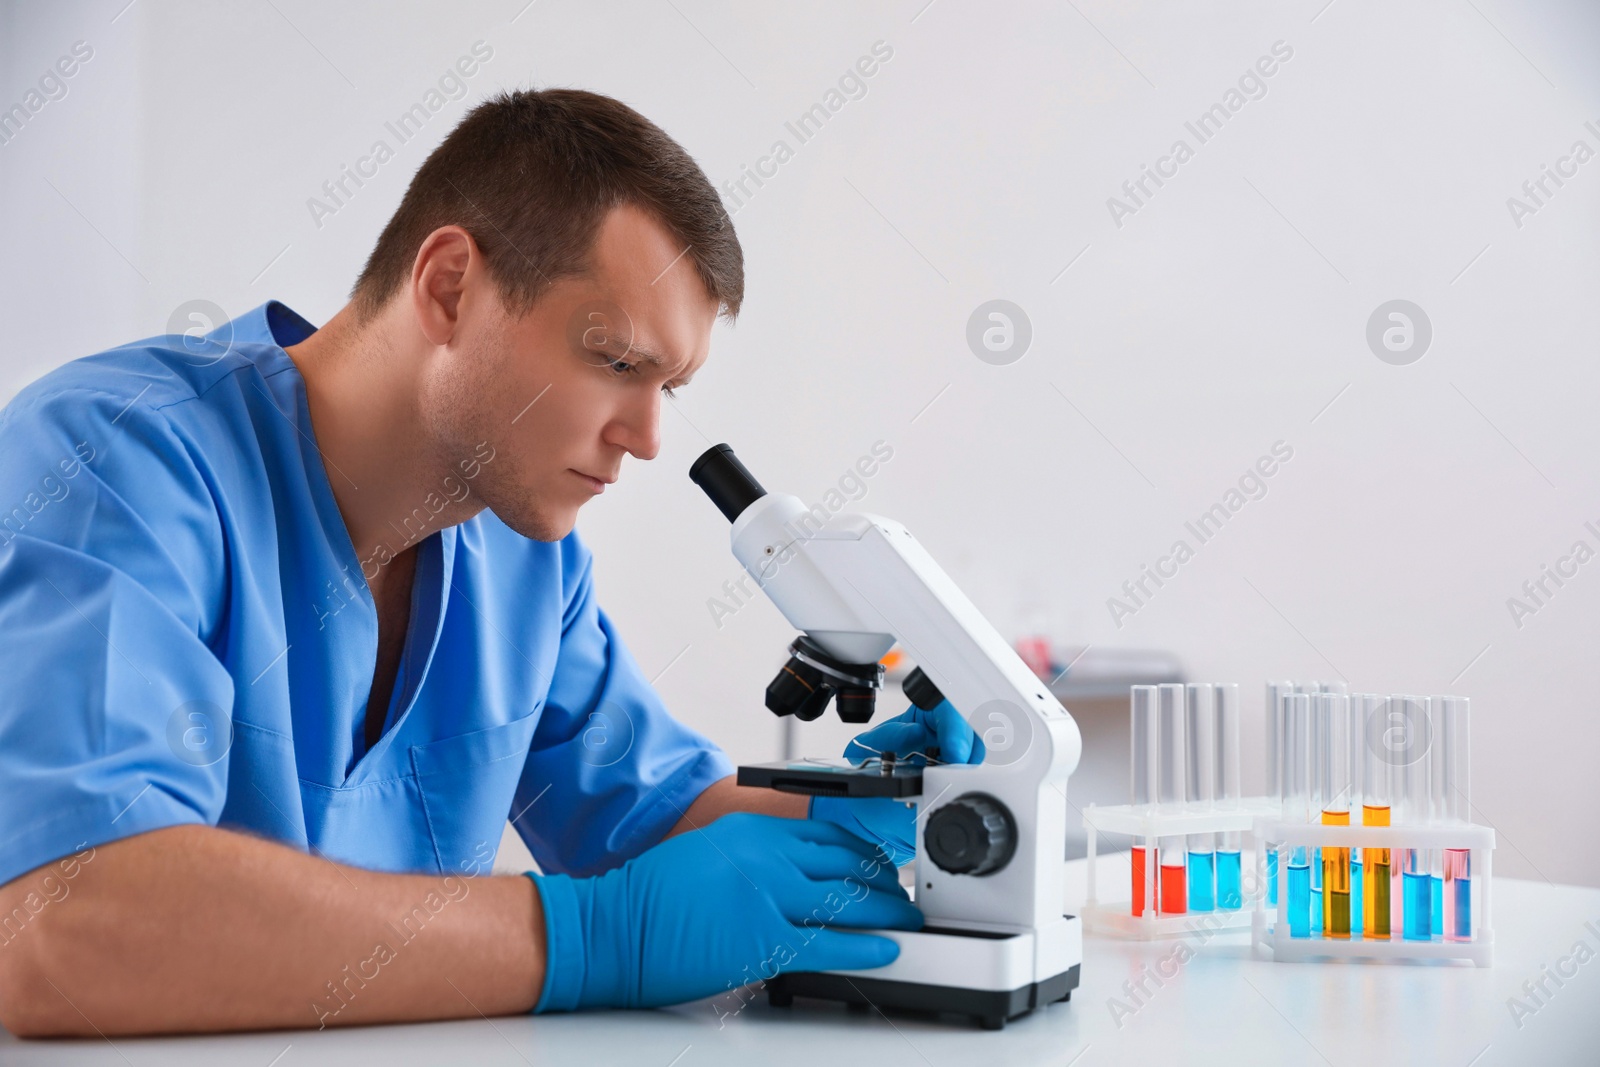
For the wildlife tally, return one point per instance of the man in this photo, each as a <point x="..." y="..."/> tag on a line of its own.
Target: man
<point x="294" y="620"/>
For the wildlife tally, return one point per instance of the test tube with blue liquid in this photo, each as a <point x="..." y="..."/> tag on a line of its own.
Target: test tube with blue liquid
<point x="1295" y="768"/>
<point x="1410" y="714"/>
<point x="1312" y="739"/>
<point x="1225" y="708"/>
<point x="1199" y="778"/>
<point x="1317" y="741"/>
<point x="1436" y="776"/>
<point x="1276" y="691"/>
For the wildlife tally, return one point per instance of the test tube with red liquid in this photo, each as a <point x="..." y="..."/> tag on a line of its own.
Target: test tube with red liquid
<point x="1172" y="796"/>
<point x="1142" y="775"/>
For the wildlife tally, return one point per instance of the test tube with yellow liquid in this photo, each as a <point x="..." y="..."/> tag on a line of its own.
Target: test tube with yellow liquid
<point x="1333" y="773"/>
<point x="1378" y="863"/>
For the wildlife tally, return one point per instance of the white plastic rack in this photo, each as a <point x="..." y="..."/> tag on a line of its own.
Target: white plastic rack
<point x="1270" y="929"/>
<point x="1115" y="918"/>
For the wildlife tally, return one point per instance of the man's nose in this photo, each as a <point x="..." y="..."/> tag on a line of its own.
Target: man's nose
<point x="639" y="428"/>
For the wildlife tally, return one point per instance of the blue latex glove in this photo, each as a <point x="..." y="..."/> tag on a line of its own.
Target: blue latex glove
<point x="891" y="824"/>
<point x="739" y="900"/>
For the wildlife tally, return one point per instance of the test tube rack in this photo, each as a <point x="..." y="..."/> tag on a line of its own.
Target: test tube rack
<point x="1270" y="929"/>
<point x="1116" y="919"/>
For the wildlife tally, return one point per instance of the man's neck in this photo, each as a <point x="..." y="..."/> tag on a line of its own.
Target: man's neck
<point x="363" y="390"/>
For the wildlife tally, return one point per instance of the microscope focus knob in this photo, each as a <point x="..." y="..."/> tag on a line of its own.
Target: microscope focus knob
<point x="973" y="834"/>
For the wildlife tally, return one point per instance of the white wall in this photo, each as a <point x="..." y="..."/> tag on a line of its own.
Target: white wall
<point x="1224" y="316"/>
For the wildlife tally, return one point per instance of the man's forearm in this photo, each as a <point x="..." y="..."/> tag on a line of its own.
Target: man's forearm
<point x="193" y="928"/>
<point x="724" y="795"/>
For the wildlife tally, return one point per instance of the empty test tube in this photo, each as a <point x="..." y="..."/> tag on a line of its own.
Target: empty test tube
<point x="1199" y="780"/>
<point x="1142" y="774"/>
<point x="1171" y="795"/>
<point x="1452" y="739"/>
<point x="1225" y="708"/>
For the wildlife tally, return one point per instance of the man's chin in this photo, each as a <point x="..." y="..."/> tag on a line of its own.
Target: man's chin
<point x="545" y="525"/>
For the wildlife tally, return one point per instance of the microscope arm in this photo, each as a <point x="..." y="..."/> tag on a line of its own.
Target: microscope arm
<point x="860" y="582"/>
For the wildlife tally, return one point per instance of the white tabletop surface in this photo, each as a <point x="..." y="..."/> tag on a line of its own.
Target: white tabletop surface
<point x="1223" y="1007"/>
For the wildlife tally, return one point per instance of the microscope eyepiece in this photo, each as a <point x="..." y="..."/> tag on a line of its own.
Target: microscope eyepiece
<point x="725" y="480"/>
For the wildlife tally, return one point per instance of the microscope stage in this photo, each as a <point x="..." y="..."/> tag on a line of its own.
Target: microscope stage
<point x="834" y="778"/>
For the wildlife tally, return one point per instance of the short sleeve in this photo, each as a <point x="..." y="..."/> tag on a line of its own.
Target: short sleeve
<point x="108" y="546"/>
<point x="610" y="771"/>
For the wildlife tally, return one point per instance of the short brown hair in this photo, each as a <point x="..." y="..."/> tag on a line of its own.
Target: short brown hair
<point x="531" y="175"/>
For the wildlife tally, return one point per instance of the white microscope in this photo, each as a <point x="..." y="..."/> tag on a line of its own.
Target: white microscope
<point x="991" y="836"/>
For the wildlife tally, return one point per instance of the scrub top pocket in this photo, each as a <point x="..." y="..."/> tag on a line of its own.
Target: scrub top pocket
<point x="467" y="784"/>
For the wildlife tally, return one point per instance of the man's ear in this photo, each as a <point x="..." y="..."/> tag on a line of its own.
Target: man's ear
<point x="446" y="263"/>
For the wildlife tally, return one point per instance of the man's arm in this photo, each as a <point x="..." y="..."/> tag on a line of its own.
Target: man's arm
<point x="193" y="928"/>
<point x="724" y="795"/>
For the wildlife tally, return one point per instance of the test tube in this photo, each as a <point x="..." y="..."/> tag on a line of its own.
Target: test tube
<point x="1200" y="780"/>
<point x="1410" y="714"/>
<point x="1374" y="812"/>
<point x="1316" y="783"/>
<point x="1171" y="795"/>
<point x="1275" y="694"/>
<point x="1294" y="768"/>
<point x="1225" y="708"/>
<point x="1452" y="738"/>
<point x="1333" y="773"/>
<point x="1436" y="773"/>
<point x="1142" y="774"/>
<point x="1358" y="757"/>
<point x="1310" y="740"/>
<point x="1276" y="691"/>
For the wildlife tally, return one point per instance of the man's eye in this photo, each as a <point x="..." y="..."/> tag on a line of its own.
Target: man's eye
<point x="622" y="367"/>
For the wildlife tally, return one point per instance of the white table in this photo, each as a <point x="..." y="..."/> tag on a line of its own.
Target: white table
<point x="1222" y="1007"/>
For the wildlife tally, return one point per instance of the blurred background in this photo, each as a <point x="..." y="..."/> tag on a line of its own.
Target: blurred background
<point x="1161" y="336"/>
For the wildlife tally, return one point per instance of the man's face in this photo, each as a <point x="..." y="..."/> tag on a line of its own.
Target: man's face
<point x="564" y="392"/>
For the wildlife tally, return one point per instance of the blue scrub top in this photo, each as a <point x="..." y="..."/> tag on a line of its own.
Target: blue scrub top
<point x="186" y="636"/>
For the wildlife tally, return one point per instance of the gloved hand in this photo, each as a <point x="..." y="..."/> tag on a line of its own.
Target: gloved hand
<point x="739" y="900"/>
<point x="888" y="823"/>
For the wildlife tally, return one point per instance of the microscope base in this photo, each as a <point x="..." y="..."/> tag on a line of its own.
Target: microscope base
<point x="990" y="976"/>
<point x="992" y="1008"/>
